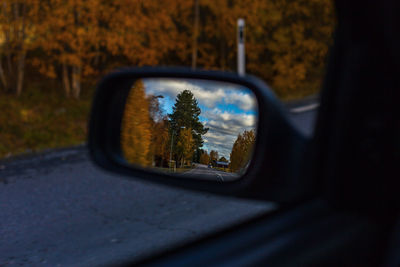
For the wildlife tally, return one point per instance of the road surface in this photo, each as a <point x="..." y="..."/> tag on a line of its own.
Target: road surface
<point x="204" y="172"/>
<point x="58" y="209"/>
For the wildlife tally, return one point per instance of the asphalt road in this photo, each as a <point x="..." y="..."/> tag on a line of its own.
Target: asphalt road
<point x="58" y="209"/>
<point x="206" y="173"/>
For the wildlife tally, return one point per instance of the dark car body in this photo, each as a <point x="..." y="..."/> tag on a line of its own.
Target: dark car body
<point x="339" y="203"/>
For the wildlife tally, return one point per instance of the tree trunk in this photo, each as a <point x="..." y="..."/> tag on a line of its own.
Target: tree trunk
<point x="10" y="72"/>
<point x="66" y="82"/>
<point x="76" y="81"/>
<point x="20" y="73"/>
<point x="222" y="48"/>
<point x="195" y="34"/>
<point x="97" y="56"/>
<point x="3" y="77"/>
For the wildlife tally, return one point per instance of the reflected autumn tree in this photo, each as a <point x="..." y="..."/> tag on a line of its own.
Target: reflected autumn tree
<point x="214" y="157"/>
<point x="159" y="151"/>
<point x="144" y="137"/>
<point x="159" y="143"/>
<point x="223" y="159"/>
<point x="204" y="157"/>
<point x="242" y="150"/>
<point x="135" y="133"/>
<point x="185" y="146"/>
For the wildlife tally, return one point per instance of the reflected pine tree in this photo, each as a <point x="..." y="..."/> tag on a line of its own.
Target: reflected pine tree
<point x="185" y="115"/>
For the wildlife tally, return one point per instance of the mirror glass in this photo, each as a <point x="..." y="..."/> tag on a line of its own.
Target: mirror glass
<point x="191" y="128"/>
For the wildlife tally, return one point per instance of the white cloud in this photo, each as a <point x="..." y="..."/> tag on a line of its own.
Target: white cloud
<point x="244" y="101"/>
<point x="208" y="93"/>
<point x="230" y="123"/>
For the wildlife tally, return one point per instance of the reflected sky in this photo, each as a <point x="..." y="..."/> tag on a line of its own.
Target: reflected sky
<point x="226" y="109"/>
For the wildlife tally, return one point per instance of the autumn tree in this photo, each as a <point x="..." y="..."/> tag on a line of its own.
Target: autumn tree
<point x="286" y="41"/>
<point x="159" y="150"/>
<point x="195" y="32"/>
<point x="144" y="32"/>
<point x="185" y="114"/>
<point x="223" y="159"/>
<point x="70" y="34"/>
<point x="213" y="156"/>
<point x="185" y="145"/>
<point x="217" y="37"/>
<point x="242" y="150"/>
<point x="159" y="143"/>
<point x="136" y="127"/>
<point x="204" y="157"/>
<point x="17" y="35"/>
<point x="197" y="154"/>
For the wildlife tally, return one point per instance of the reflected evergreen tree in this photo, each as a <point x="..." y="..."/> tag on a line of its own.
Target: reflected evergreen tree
<point x="185" y="115"/>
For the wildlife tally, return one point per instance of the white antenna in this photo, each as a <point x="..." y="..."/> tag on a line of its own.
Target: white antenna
<point x="241" y="52"/>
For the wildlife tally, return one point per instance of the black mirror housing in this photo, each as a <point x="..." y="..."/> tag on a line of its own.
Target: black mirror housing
<point x="276" y="172"/>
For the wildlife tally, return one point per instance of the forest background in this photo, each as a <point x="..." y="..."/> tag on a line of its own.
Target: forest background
<point x="53" y="52"/>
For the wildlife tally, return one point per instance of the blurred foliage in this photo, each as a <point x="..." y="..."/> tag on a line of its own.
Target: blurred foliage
<point x="69" y="40"/>
<point x="66" y="44"/>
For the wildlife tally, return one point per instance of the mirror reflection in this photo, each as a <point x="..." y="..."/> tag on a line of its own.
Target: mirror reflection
<point x="192" y="128"/>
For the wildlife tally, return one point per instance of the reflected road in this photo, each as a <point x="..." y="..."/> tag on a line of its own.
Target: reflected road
<point x="202" y="171"/>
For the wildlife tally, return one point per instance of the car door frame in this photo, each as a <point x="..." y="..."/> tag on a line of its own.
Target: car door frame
<point x="347" y="221"/>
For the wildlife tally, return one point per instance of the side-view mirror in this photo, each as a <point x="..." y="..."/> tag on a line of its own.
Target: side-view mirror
<point x="201" y="130"/>
<point x="179" y="126"/>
